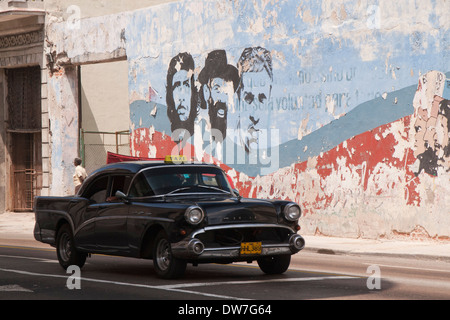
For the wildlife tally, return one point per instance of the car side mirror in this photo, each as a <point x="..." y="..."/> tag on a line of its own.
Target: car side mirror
<point x="122" y="196"/>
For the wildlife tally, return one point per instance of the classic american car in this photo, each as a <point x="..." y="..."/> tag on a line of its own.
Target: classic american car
<point x="172" y="213"/>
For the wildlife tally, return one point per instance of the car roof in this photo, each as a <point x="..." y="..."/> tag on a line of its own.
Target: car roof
<point x="133" y="167"/>
<point x="136" y="166"/>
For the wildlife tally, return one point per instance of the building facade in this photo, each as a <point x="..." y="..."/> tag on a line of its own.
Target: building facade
<point x="340" y="106"/>
<point x="28" y="149"/>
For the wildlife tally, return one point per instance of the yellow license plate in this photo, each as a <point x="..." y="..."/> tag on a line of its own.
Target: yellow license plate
<point x="250" y="248"/>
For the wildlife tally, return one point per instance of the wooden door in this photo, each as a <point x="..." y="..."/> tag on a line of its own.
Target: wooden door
<point x="24" y="129"/>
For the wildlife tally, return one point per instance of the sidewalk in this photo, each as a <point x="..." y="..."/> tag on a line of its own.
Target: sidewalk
<point x="16" y="228"/>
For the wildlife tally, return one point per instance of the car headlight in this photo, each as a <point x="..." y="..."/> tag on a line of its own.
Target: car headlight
<point x="194" y="215"/>
<point x="292" y="212"/>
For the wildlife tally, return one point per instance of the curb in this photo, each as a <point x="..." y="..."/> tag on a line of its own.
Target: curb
<point x="349" y="252"/>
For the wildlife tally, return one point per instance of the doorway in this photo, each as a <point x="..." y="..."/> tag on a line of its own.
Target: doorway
<point x="26" y="170"/>
<point x="24" y="135"/>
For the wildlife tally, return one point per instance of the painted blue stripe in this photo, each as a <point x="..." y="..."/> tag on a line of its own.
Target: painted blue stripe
<point x="365" y="117"/>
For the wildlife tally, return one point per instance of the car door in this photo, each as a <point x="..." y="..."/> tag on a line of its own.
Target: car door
<point x="140" y="212"/>
<point x="86" y="213"/>
<point x="111" y="222"/>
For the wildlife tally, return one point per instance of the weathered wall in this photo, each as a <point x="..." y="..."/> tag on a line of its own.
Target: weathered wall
<point x="70" y="43"/>
<point x="63" y="129"/>
<point x="335" y="113"/>
<point x="326" y="112"/>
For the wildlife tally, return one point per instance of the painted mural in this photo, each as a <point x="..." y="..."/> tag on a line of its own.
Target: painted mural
<point x="432" y="114"/>
<point x="221" y="114"/>
<point x="317" y="103"/>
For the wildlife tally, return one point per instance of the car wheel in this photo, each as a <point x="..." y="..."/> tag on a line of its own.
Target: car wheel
<point x="166" y="265"/>
<point x="275" y="264"/>
<point x="65" y="249"/>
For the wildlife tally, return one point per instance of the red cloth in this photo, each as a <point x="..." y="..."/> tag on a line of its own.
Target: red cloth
<point x="114" y="157"/>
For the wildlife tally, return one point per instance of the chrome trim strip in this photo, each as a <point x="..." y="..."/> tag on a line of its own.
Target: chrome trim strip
<point x="181" y="249"/>
<point x="81" y="226"/>
<point x="240" y="226"/>
<point x="233" y="252"/>
<point x="142" y="217"/>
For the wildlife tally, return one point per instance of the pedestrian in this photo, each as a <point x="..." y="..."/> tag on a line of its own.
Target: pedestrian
<point x="80" y="174"/>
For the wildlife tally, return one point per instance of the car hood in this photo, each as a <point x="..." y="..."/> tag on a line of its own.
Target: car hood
<point x="238" y="210"/>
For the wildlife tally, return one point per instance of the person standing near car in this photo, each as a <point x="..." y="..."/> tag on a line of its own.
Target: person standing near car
<point x="80" y="174"/>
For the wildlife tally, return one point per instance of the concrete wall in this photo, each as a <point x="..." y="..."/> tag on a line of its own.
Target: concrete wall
<point x="102" y="79"/>
<point x="104" y="108"/>
<point x="63" y="129"/>
<point x="24" y="42"/>
<point x="105" y="96"/>
<point x="330" y="118"/>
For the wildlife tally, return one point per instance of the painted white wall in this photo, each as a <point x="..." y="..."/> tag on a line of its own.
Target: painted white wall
<point x="104" y="108"/>
<point x="104" y="90"/>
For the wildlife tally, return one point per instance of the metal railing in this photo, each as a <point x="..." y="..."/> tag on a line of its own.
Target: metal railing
<point x="94" y="146"/>
<point x="26" y="187"/>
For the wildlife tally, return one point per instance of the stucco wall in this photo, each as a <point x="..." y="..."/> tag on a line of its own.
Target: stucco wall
<point x="63" y="129"/>
<point x="334" y="107"/>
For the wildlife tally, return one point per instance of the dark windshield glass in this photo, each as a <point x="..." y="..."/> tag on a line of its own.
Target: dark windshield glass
<point x="178" y="180"/>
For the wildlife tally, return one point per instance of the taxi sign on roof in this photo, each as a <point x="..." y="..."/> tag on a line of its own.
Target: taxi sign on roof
<point x="176" y="159"/>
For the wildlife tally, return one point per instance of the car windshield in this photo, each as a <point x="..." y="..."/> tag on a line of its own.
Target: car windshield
<point x="175" y="180"/>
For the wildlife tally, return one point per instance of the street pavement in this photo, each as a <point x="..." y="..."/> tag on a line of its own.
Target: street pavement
<point x="16" y="229"/>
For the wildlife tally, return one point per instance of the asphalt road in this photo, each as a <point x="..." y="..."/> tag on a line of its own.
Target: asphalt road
<point x="34" y="274"/>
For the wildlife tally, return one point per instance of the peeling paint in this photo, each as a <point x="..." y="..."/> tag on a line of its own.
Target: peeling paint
<point x="63" y="117"/>
<point x="336" y="129"/>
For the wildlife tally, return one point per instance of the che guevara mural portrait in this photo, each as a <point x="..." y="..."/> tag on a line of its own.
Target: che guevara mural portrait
<point x="322" y="104"/>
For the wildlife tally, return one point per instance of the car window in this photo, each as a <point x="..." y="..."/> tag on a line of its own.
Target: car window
<point x="186" y="179"/>
<point x="210" y="179"/>
<point x="164" y="183"/>
<point x="140" y="187"/>
<point x="96" y="191"/>
<point x="118" y="183"/>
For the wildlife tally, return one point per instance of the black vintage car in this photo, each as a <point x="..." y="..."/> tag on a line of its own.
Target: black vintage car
<point x="172" y="213"/>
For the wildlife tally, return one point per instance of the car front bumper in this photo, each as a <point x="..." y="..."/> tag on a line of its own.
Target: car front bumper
<point x="192" y="248"/>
